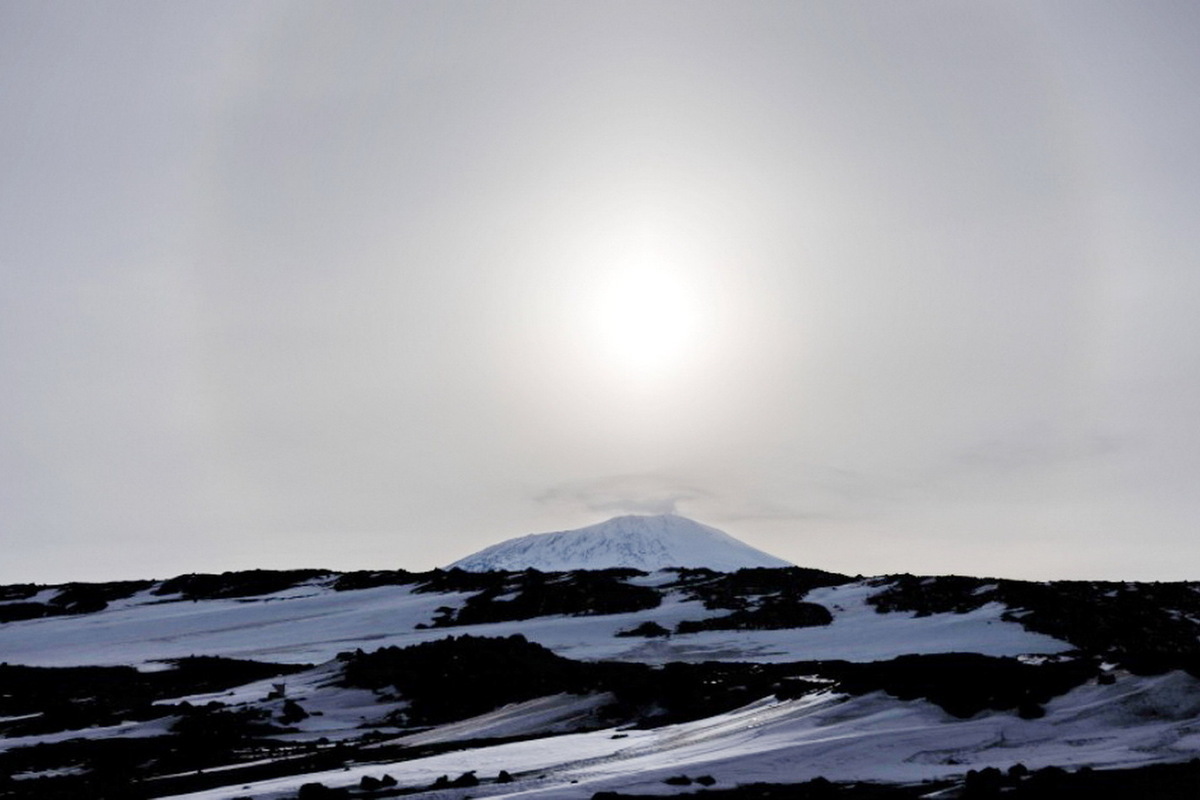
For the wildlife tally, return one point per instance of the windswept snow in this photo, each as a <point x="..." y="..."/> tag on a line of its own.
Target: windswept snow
<point x="124" y="730"/>
<point x="873" y="737"/>
<point x="558" y="713"/>
<point x="647" y="543"/>
<point x="870" y="738"/>
<point x="315" y="625"/>
<point x="296" y="628"/>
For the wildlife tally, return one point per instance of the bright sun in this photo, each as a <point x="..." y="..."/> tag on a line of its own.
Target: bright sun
<point x="647" y="321"/>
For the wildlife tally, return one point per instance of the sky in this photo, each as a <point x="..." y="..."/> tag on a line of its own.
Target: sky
<point x="873" y="286"/>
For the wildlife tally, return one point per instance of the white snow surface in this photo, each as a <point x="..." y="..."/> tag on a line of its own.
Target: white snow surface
<point x="558" y="713"/>
<point x="1137" y="720"/>
<point x="123" y="730"/>
<point x="314" y="625"/>
<point x="293" y="627"/>
<point x="647" y="543"/>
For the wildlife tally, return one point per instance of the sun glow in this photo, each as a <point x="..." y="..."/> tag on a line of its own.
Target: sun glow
<point x="647" y="320"/>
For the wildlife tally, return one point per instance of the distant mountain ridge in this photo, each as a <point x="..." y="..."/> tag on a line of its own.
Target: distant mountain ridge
<point x="642" y="542"/>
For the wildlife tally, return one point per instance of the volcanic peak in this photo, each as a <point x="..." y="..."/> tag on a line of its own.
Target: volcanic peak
<point x="643" y="542"/>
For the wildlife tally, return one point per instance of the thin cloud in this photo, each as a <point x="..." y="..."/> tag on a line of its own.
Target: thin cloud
<point x="629" y="494"/>
<point x="1036" y="446"/>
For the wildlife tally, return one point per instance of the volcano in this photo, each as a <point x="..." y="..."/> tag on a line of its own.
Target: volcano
<point x="643" y="542"/>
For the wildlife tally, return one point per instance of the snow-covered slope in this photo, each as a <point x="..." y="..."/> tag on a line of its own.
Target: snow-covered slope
<point x="904" y="680"/>
<point x="643" y="542"/>
<point x="874" y="737"/>
<point x="314" y="623"/>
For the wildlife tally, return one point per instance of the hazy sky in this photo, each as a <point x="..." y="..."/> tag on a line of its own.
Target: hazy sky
<point x="874" y="286"/>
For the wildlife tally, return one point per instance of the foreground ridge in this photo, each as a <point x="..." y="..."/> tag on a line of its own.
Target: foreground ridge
<point x="587" y="684"/>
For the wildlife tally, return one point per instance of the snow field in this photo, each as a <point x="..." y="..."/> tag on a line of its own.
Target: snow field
<point x="312" y="624"/>
<point x="873" y="737"/>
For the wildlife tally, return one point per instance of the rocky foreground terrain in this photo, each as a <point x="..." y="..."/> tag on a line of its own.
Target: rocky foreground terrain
<point x="621" y="682"/>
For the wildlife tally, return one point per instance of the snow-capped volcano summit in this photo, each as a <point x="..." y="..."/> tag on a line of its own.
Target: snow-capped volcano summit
<point x="643" y="542"/>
